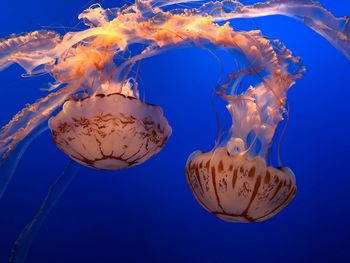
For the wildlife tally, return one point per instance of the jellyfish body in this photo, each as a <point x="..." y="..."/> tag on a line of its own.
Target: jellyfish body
<point x="237" y="189"/>
<point x="110" y="131"/>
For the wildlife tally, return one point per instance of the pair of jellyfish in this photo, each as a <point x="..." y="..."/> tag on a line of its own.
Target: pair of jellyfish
<point x="103" y="123"/>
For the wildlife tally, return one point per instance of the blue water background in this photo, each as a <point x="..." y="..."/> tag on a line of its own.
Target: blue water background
<point x="148" y="213"/>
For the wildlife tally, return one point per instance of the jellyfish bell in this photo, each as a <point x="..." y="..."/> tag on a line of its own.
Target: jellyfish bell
<point x="238" y="189"/>
<point x="110" y="131"/>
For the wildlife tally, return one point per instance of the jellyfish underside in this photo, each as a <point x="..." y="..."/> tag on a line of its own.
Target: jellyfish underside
<point x="103" y="123"/>
<point x="237" y="189"/>
<point x="109" y="132"/>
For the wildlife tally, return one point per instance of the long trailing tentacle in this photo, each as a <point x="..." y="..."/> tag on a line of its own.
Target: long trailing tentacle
<point x="19" y="133"/>
<point x="9" y="165"/>
<point x="25" y="121"/>
<point x="335" y="30"/>
<point x="22" y="244"/>
<point x="29" y="50"/>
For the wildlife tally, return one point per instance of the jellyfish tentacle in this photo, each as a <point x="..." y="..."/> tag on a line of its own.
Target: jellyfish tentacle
<point x="30" y="117"/>
<point x="335" y="30"/>
<point x="280" y="140"/>
<point x="150" y="51"/>
<point x="22" y="244"/>
<point x="164" y="3"/>
<point x="29" y="50"/>
<point x="9" y="165"/>
<point x="26" y="125"/>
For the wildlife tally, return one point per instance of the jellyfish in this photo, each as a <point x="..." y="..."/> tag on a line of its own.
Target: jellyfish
<point x="97" y="117"/>
<point x="234" y="180"/>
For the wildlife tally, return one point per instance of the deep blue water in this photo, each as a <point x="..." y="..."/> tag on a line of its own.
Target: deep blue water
<point x="148" y="213"/>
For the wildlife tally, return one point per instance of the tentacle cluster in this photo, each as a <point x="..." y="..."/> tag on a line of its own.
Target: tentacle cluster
<point x="98" y="61"/>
